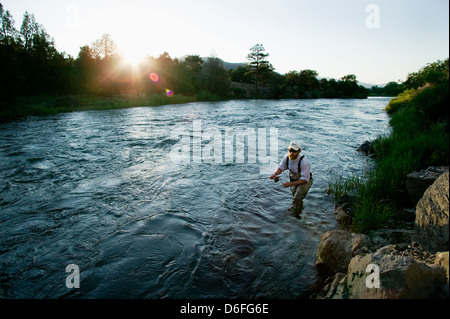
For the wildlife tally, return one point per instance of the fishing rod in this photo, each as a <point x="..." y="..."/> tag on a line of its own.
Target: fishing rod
<point x="276" y="179"/>
<point x="242" y="180"/>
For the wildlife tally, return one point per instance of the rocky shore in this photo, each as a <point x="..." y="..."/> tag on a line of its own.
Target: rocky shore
<point x="404" y="263"/>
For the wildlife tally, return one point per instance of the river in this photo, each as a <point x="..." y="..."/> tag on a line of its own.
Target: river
<point x="145" y="207"/>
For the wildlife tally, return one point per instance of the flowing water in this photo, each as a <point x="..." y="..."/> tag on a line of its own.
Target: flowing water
<point x="101" y="190"/>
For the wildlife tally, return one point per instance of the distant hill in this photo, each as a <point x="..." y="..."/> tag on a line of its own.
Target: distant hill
<point x="231" y="66"/>
<point x="226" y="65"/>
<point x="364" y="84"/>
<point x="369" y="85"/>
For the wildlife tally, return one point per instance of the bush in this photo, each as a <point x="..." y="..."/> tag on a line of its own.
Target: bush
<point x="371" y="214"/>
<point x="401" y="100"/>
<point x="206" y="96"/>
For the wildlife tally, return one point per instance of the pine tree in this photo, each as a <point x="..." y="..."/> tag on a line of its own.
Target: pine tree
<point x="258" y="67"/>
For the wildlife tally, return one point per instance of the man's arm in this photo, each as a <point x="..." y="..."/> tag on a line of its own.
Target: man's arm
<point x="280" y="169"/>
<point x="277" y="172"/>
<point x="295" y="183"/>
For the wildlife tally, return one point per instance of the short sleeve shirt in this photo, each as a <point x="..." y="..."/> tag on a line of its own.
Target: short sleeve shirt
<point x="293" y="167"/>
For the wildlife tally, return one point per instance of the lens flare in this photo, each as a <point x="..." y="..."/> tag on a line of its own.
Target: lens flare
<point x="169" y="93"/>
<point x="154" y="77"/>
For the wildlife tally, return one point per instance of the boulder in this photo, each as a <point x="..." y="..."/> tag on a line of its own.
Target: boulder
<point x="391" y="236"/>
<point x="442" y="260"/>
<point x="367" y="148"/>
<point x="432" y="216"/>
<point x="336" y="249"/>
<point x="418" y="182"/>
<point x="342" y="217"/>
<point x="331" y="286"/>
<point x="400" y="277"/>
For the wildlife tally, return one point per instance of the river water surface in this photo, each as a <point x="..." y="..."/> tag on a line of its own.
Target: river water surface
<point x="100" y="190"/>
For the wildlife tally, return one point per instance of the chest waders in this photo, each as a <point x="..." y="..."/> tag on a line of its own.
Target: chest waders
<point x="296" y="176"/>
<point x="298" y="192"/>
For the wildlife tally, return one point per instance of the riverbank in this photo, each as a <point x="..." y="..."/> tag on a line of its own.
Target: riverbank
<point x="46" y="105"/>
<point x="420" y="138"/>
<point x="393" y="238"/>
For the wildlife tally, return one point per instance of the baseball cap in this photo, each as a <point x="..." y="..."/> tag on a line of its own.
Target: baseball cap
<point x="294" y="145"/>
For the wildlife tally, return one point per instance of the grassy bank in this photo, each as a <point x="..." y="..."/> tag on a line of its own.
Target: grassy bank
<point x="46" y="105"/>
<point x="419" y="139"/>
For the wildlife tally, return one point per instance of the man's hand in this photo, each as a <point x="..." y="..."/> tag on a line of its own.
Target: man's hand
<point x="287" y="184"/>
<point x="274" y="176"/>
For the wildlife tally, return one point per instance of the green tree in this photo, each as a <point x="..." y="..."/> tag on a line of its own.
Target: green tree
<point x="11" y="78"/>
<point x="85" y="69"/>
<point x="7" y="30"/>
<point x="328" y="88"/>
<point x="308" y="82"/>
<point x="393" y="89"/>
<point x="347" y="86"/>
<point x="435" y="72"/>
<point x="302" y="84"/>
<point x="42" y="66"/>
<point x="193" y="63"/>
<point x="350" y="78"/>
<point x="165" y="67"/>
<point x="240" y="74"/>
<point x="34" y="37"/>
<point x="28" y="30"/>
<point x="188" y="74"/>
<point x="214" y="78"/>
<point x="259" y="67"/>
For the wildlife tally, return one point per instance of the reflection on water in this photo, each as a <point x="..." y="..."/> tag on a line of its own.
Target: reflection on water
<point x="98" y="189"/>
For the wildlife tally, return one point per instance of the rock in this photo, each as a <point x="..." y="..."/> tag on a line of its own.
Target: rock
<point x="342" y="217"/>
<point x="415" y="250"/>
<point x="432" y="216"/>
<point x="367" y="148"/>
<point x="342" y="211"/>
<point x="392" y="236"/>
<point x="336" y="249"/>
<point x="408" y="260"/>
<point x="330" y="288"/>
<point x="418" y="182"/>
<point x="442" y="260"/>
<point x="400" y="277"/>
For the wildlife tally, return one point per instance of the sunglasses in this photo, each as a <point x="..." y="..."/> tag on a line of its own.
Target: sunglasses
<point x="292" y="151"/>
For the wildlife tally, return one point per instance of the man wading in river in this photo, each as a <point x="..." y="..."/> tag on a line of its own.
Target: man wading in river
<point x="300" y="176"/>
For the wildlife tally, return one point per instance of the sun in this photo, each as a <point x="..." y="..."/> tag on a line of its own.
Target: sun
<point x="133" y="56"/>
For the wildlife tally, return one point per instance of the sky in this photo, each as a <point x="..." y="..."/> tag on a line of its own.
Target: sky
<point x="377" y="40"/>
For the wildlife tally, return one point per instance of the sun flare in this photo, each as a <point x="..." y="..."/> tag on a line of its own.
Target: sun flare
<point x="133" y="56"/>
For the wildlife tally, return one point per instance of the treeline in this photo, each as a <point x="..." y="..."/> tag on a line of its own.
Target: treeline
<point x="432" y="73"/>
<point x="30" y="63"/>
<point x="32" y="66"/>
<point x="302" y="84"/>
